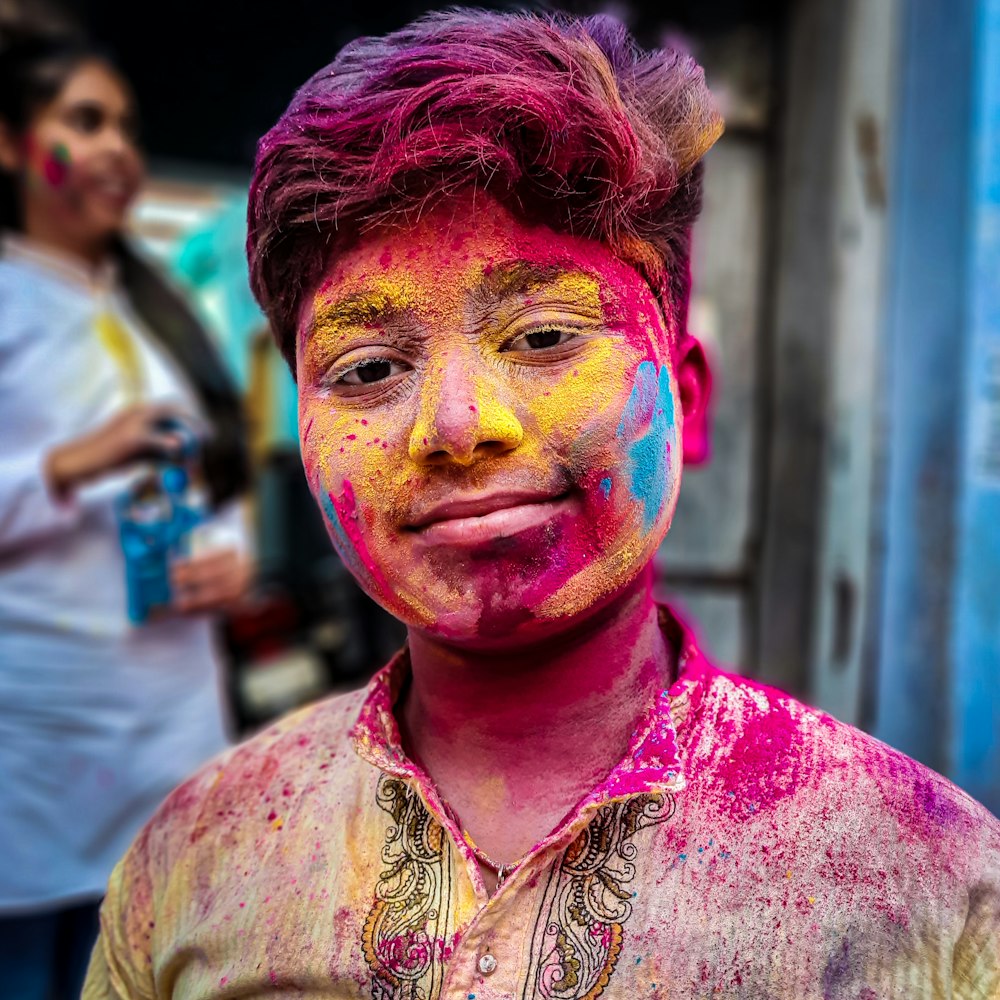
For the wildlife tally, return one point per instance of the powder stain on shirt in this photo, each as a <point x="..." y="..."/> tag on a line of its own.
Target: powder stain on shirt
<point x="840" y="886"/>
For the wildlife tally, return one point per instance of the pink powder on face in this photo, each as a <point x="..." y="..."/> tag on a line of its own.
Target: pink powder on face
<point x="345" y="510"/>
<point x="353" y="547"/>
<point x="55" y="167"/>
<point x="49" y="165"/>
<point x="567" y="413"/>
<point x="573" y="550"/>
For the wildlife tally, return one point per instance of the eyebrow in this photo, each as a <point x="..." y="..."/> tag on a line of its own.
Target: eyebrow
<point x="356" y="309"/>
<point x="516" y="278"/>
<point x="521" y="278"/>
<point x="503" y="281"/>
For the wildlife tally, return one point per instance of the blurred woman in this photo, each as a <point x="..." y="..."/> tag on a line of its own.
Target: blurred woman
<point x="99" y="361"/>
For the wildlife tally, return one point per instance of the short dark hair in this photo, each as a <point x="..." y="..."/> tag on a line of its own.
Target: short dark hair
<point x="565" y="120"/>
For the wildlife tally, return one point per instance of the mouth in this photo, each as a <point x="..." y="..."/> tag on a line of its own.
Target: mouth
<point x="116" y="190"/>
<point x="477" y="519"/>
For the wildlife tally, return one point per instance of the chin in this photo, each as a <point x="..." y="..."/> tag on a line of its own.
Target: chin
<point x="510" y="592"/>
<point x="493" y="617"/>
<point x="107" y="223"/>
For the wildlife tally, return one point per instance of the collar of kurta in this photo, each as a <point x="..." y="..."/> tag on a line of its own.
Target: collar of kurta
<point x="651" y="764"/>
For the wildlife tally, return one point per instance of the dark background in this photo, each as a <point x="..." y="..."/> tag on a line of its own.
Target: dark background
<point x="211" y="77"/>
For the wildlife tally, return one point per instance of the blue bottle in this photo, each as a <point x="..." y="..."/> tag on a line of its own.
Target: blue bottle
<point x="156" y="517"/>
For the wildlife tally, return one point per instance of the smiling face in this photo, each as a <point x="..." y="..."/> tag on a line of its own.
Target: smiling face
<point x="78" y="160"/>
<point x="489" y="417"/>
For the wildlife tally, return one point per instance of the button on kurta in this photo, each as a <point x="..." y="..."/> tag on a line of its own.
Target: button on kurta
<point x="487" y="964"/>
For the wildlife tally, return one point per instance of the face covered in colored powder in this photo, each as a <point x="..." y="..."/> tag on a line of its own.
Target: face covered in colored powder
<point x="489" y="416"/>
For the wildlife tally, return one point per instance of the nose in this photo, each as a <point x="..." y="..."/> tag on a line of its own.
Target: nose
<point x="463" y="417"/>
<point x="119" y="141"/>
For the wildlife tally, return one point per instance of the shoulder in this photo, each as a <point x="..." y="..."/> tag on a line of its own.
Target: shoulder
<point x="227" y="817"/>
<point x="256" y="782"/>
<point x="849" y="831"/>
<point x="759" y="747"/>
<point x="21" y="282"/>
<point x="18" y="292"/>
<point x="31" y="306"/>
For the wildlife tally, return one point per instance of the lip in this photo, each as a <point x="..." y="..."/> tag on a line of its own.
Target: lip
<point x="472" y="520"/>
<point x="116" y="190"/>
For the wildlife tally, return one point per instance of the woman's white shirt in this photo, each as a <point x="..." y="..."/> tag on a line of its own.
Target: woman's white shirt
<point x="99" y="718"/>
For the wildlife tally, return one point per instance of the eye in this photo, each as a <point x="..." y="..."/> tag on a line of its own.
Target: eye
<point x="540" y="340"/>
<point x="86" y="118"/>
<point x="371" y="370"/>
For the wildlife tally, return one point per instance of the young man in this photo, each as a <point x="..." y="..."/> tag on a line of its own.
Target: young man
<point x="471" y="238"/>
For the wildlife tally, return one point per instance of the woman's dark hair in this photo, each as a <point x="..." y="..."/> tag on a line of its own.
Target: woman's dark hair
<point x="39" y="52"/>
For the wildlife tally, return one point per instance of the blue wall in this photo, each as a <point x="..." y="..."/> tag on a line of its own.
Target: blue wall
<point x="939" y="648"/>
<point x="975" y="716"/>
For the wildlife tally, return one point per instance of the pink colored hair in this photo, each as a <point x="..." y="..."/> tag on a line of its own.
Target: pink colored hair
<point x="565" y="120"/>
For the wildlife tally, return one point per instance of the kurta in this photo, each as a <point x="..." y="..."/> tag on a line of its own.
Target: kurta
<point x="745" y="847"/>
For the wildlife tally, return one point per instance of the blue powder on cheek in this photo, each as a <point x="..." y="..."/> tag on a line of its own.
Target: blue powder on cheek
<point x="342" y="542"/>
<point x="639" y="408"/>
<point x="605" y="487"/>
<point x="649" y="412"/>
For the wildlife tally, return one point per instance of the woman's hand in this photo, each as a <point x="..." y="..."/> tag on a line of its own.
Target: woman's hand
<point x="214" y="582"/>
<point x="135" y="433"/>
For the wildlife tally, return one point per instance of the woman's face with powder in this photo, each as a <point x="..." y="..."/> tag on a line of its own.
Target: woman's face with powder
<point x="78" y="161"/>
<point x="489" y="416"/>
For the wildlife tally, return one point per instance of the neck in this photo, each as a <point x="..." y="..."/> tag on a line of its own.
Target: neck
<point x="542" y="724"/>
<point x="52" y="235"/>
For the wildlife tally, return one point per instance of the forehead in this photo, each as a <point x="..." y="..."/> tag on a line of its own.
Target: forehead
<point x="472" y="248"/>
<point x="94" y="82"/>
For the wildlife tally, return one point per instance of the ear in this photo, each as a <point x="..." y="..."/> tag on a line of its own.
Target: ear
<point x="11" y="159"/>
<point x="694" y="380"/>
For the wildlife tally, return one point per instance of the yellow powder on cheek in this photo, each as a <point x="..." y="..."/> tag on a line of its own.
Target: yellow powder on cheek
<point x="585" y="391"/>
<point x="597" y="380"/>
<point x="381" y="471"/>
<point x="618" y="565"/>
<point x="323" y="433"/>
<point x="594" y="581"/>
<point x="347" y="446"/>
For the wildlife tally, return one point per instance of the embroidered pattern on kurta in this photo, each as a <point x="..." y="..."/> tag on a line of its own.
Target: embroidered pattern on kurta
<point x="405" y="935"/>
<point x="579" y="930"/>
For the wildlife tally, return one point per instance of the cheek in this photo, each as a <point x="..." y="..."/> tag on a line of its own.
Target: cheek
<point x="623" y="454"/>
<point x="648" y="436"/>
<point x="56" y="166"/>
<point x="49" y="163"/>
<point x="581" y="398"/>
<point x="358" y="467"/>
<point x="611" y="420"/>
<point x="367" y="450"/>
